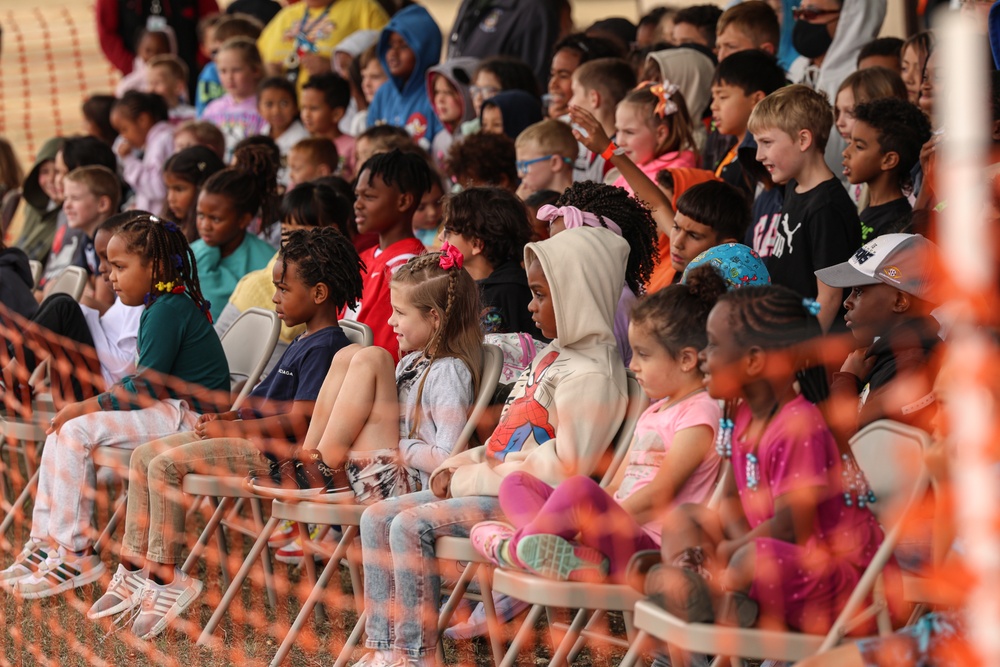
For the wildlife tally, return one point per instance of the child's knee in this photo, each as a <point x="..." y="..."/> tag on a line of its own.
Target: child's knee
<point x="578" y="486"/>
<point x="374" y="358"/>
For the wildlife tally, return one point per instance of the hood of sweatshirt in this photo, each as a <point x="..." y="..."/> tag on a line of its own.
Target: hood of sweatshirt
<point x="458" y="72"/>
<point x="585" y="268"/>
<point x="518" y="110"/>
<point x="15" y="261"/>
<point x="692" y="72"/>
<point x="32" y="190"/>
<point x="415" y="25"/>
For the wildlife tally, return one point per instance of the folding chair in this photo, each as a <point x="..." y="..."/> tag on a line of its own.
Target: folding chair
<point x="36" y="271"/>
<point x="891" y="455"/>
<point x="72" y="281"/>
<point x="341" y="510"/>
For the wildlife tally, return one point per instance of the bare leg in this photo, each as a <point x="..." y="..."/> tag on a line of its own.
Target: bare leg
<point x="366" y="415"/>
<point x="328" y="395"/>
<point x="842" y="656"/>
<point x="690" y="526"/>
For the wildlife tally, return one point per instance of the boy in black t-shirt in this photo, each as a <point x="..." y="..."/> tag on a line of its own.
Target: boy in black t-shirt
<point x="884" y="147"/>
<point x="818" y="225"/>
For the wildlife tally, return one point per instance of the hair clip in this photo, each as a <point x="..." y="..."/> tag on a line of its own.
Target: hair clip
<point x="664" y="92"/>
<point x="201" y="166"/>
<point x="165" y="287"/>
<point x="178" y="261"/>
<point x="153" y="218"/>
<point x="812" y="306"/>
<point x="451" y="257"/>
<point x="171" y="227"/>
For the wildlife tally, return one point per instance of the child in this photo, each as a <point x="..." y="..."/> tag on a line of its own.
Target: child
<point x="708" y="214"/>
<point x="691" y="71"/>
<point x="489" y="228"/>
<point x="183" y="175"/>
<point x="41" y="203"/>
<point x="592" y="204"/>
<point x="323" y="101"/>
<point x="671" y="460"/>
<point x="318" y="275"/>
<point x="381" y="139"/>
<point x="16" y="283"/>
<point x="372" y="78"/>
<point x="175" y="340"/>
<point x="312" y="158"/>
<point x="913" y="60"/>
<point x="748" y="25"/>
<point x="388" y="188"/>
<point x="892" y="292"/>
<point x="427" y="221"/>
<point x="235" y="113"/>
<point x="493" y="75"/>
<point x="200" y="133"/>
<point x="167" y="76"/>
<point x="598" y="87"/>
<point x="696" y="25"/>
<point x="509" y="112"/>
<point x="149" y="44"/>
<point x="365" y="406"/>
<point x="557" y="423"/>
<point x="881" y="52"/>
<point x="741" y="81"/>
<point x="145" y="141"/>
<point x="408" y="47"/>
<point x="865" y="85"/>
<point x="448" y="90"/>
<point x="654" y="130"/>
<point x="885" y="145"/>
<point x="818" y="225"/>
<point x="347" y="63"/>
<point x="209" y="86"/>
<point x="483" y="159"/>
<point x="567" y="55"/>
<point x="96" y="112"/>
<point x="793" y="534"/>
<point x="278" y="106"/>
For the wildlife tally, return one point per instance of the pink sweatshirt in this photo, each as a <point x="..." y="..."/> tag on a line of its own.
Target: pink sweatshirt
<point x="673" y="159"/>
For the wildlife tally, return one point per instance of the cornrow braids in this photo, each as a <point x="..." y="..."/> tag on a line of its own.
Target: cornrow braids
<point x="162" y="245"/>
<point x="407" y="172"/>
<point x="637" y="225"/>
<point x="262" y="160"/>
<point x="324" y="255"/>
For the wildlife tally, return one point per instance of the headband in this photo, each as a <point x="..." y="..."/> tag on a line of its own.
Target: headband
<point x="574" y="217"/>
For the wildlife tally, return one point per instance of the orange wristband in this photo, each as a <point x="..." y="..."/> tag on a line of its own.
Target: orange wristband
<point x="609" y="151"/>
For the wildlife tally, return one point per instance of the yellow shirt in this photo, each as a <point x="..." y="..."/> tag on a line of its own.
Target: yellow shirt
<point x="277" y="41"/>
<point x="256" y="289"/>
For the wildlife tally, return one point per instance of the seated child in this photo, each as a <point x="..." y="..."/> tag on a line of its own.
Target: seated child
<point x="483" y="159"/>
<point x="228" y="26"/>
<point x="598" y="87"/>
<point x="534" y="202"/>
<point x="259" y="155"/>
<point x="746" y="26"/>
<point x="322" y="104"/>
<point x="448" y="90"/>
<point x="96" y="111"/>
<point x="312" y="158"/>
<point x="278" y="105"/>
<point x="797" y="534"/>
<point x="510" y="112"/>
<point x="557" y="423"/>
<point x="567" y="55"/>
<point x="167" y="76"/>
<point x="427" y="221"/>
<point x="145" y="141"/>
<point x="235" y="113"/>
<point x="149" y="44"/>
<point x="388" y="188"/>
<point x="184" y="174"/>
<point x="413" y="40"/>
<point x="708" y="214"/>
<point x="884" y="147"/>
<point x="347" y="62"/>
<point x="16" y="282"/>
<point x="373" y="77"/>
<point x="380" y="139"/>
<point x="881" y="52"/>
<point x="318" y="274"/>
<point x="488" y="226"/>
<point x="151" y="266"/>
<point x="671" y="459"/>
<point x="228" y="202"/>
<point x="892" y="293"/>
<point x="493" y="75"/>
<point x="545" y="155"/>
<point x="200" y="133"/>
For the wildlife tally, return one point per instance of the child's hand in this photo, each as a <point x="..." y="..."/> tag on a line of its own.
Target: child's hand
<point x="441" y="483"/>
<point x="596" y="139"/>
<point x="201" y="427"/>
<point x="857" y="364"/>
<point x="316" y="64"/>
<point x="927" y="151"/>
<point x="124" y="148"/>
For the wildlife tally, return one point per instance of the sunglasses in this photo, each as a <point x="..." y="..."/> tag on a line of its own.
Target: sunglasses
<point x="522" y="165"/>
<point x="811" y="13"/>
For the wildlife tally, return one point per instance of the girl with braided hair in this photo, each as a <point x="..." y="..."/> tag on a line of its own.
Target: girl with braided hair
<point x="421" y="406"/>
<point x="182" y="371"/>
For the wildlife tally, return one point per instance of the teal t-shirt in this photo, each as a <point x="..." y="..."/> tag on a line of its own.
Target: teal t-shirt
<point x="218" y="276"/>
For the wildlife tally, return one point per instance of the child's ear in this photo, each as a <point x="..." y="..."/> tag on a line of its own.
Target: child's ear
<point x="805" y="139"/>
<point x="245" y="220"/>
<point x="688" y="359"/>
<point x="323" y="169"/>
<point x="477" y="247"/>
<point x="768" y="47"/>
<point x="595" y="98"/>
<point x="662" y="130"/>
<point x="337" y="113"/>
<point x="756" y="361"/>
<point x="320" y="293"/>
<point x="890" y="161"/>
<point x="757" y="96"/>
<point x="104" y="205"/>
<point x="557" y="163"/>
<point x="405" y="202"/>
<point x="902" y="302"/>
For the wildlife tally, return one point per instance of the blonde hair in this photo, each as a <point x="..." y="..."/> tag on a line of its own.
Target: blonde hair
<point x="177" y="67"/>
<point x="792" y="109"/>
<point x="248" y="49"/>
<point x="454" y="296"/>
<point x="874" y="83"/>
<point x="680" y="131"/>
<point x="101" y="181"/>
<point x="550" y="136"/>
<point x="206" y="134"/>
<point x="754" y="19"/>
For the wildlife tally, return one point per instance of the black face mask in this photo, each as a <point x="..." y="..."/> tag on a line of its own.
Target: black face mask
<point x="810" y="40"/>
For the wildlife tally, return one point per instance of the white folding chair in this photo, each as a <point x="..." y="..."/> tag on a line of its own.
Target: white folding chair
<point x="891" y="456"/>
<point x="72" y="281"/>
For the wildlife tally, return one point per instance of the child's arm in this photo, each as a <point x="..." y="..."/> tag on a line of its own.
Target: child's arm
<point x="446" y="400"/>
<point x="794" y="521"/>
<point x="829" y="299"/>
<point x="145" y="175"/>
<point x="292" y="424"/>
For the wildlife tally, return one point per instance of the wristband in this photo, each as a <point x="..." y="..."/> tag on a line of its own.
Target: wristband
<point x="609" y="151"/>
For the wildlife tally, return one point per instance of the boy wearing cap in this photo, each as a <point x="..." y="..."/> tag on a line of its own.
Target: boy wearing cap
<point x="891" y="373"/>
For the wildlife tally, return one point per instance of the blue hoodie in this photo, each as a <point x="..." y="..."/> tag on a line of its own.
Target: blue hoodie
<point x="404" y="102"/>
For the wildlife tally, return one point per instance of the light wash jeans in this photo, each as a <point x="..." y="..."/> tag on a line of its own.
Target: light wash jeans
<point x="402" y="574"/>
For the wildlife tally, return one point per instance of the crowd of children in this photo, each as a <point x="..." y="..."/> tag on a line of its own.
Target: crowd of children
<point x="330" y="166"/>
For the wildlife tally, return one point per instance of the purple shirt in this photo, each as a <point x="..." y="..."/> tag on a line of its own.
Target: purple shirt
<point x="237" y="120"/>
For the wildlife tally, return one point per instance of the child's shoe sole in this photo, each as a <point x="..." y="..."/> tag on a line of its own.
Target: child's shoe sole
<point x="553" y="557"/>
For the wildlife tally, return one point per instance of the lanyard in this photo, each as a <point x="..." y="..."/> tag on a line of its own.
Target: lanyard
<point x="304" y="29"/>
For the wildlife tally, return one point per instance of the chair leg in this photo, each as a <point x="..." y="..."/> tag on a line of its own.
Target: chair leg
<point x="565" y="647"/>
<point x="581" y="641"/>
<point x="265" y="556"/>
<point x="522" y="636"/>
<point x="223" y="546"/>
<point x="634" y="651"/>
<point x="451" y="604"/>
<point x="309" y="562"/>
<point x="493" y="625"/>
<point x="120" y="506"/>
<point x="234" y="588"/>
<point x="352" y="641"/>
<point x="16" y="509"/>
<point x="210" y="527"/>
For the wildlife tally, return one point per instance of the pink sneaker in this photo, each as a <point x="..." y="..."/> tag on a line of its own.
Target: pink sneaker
<point x="488" y="537"/>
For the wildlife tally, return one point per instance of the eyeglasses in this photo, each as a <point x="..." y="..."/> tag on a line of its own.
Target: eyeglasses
<point x="808" y="13"/>
<point x="485" y="91"/>
<point x="522" y="165"/>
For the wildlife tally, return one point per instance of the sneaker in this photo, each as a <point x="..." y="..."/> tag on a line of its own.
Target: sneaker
<point x="58" y="573"/>
<point x="292" y="553"/>
<point x="122" y="594"/>
<point x="279" y="476"/>
<point x="285" y="533"/>
<point x="507" y="608"/>
<point x="312" y="477"/>
<point x="489" y="538"/>
<point x="682" y="592"/>
<point x="161" y="604"/>
<point x="375" y="659"/>
<point x="26" y="564"/>
<point x="553" y="557"/>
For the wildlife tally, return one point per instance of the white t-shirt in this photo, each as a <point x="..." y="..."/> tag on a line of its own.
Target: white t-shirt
<point x="115" y="339"/>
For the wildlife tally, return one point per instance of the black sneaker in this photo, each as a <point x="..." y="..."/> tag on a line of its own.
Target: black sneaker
<point x="317" y="478"/>
<point x="276" y="481"/>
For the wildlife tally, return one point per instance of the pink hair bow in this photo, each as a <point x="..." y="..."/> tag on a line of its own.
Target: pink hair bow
<point x="574" y="217"/>
<point x="450" y="257"/>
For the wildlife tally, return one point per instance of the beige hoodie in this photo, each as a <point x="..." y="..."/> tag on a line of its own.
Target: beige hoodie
<point x="564" y="411"/>
<point x="692" y="72"/>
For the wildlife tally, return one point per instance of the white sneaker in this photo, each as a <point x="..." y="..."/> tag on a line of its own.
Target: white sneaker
<point x="161" y="604"/>
<point x="58" y="573"/>
<point x="375" y="659"/>
<point x="26" y="564"/>
<point x="122" y="593"/>
<point x="476" y="626"/>
<point x="285" y="533"/>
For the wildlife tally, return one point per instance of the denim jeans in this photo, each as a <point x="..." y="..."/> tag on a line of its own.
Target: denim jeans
<point x="402" y="574"/>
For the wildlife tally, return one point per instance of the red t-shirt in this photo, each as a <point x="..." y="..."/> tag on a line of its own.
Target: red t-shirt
<point x="375" y="307"/>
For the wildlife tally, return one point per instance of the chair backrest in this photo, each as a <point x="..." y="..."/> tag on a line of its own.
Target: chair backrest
<point x="358" y="333"/>
<point x="492" y="365"/>
<point x="891" y="456"/>
<point x="36" y="271"/>
<point x="619" y="446"/>
<point x="248" y="345"/>
<point x="71" y="281"/>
